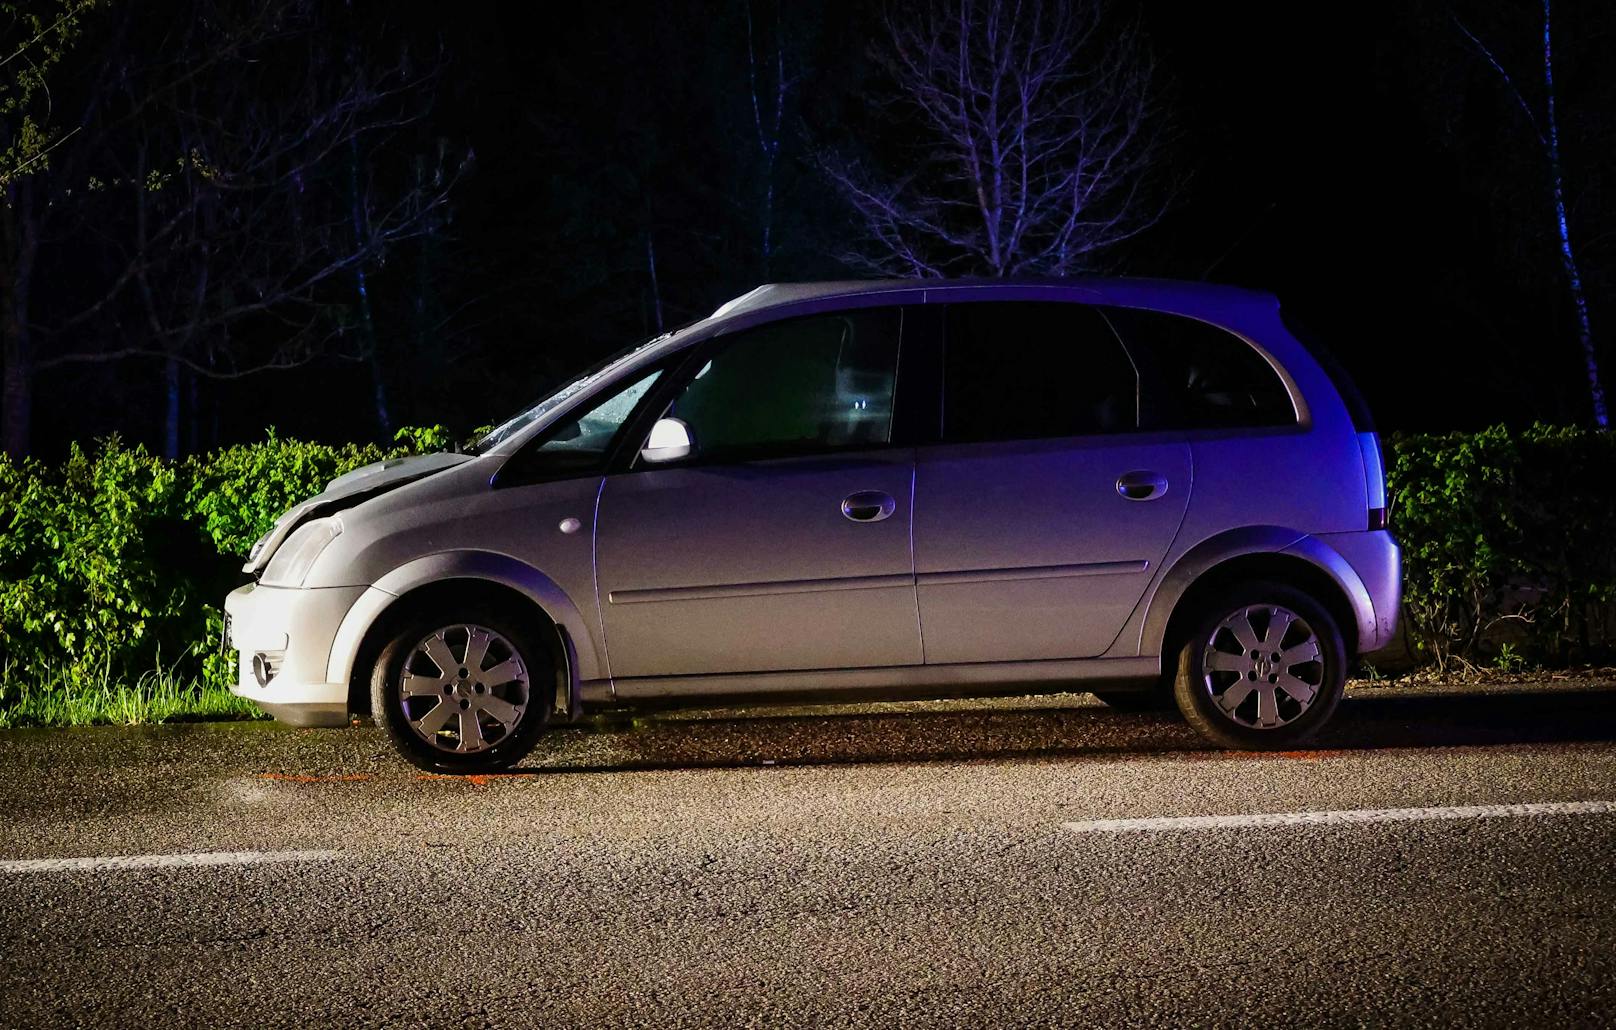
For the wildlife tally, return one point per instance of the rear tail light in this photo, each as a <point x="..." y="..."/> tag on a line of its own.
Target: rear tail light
<point x="1374" y="479"/>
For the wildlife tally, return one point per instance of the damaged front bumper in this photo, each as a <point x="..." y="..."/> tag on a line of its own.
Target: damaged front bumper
<point x="283" y="638"/>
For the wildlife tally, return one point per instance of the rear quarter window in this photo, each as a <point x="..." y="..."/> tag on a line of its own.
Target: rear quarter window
<point x="1195" y="375"/>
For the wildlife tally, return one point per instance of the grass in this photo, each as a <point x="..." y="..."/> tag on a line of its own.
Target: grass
<point x="70" y="697"/>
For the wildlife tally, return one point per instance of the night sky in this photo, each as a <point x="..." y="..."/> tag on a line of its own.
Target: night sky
<point x="1362" y="161"/>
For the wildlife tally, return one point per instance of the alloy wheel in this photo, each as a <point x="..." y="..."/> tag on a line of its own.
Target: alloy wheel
<point x="1262" y="666"/>
<point x="464" y="688"/>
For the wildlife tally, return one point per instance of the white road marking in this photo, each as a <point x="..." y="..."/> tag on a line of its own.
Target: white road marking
<point x="1357" y="815"/>
<point x="110" y="863"/>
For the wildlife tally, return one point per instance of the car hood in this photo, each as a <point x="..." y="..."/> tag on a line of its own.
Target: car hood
<point x="347" y="490"/>
<point x="392" y="472"/>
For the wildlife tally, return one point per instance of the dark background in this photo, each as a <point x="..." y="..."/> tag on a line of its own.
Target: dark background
<point x="1360" y="160"/>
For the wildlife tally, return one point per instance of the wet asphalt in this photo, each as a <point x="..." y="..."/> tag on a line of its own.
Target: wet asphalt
<point x="872" y="865"/>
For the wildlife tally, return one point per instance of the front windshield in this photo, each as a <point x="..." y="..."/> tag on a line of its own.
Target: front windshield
<point x="505" y="430"/>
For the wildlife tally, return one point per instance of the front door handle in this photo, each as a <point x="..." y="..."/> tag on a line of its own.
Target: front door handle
<point x="1141" y="485"/>
<point x="868" y="506"/>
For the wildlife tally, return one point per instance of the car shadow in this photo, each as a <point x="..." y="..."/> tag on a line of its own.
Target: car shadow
<point x="752" y="737"/>
<point x="1534" y="716"/>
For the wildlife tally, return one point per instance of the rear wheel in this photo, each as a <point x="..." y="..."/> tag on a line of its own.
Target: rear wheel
<point x="1263" y="669"/>
<point x="462" y="691"/>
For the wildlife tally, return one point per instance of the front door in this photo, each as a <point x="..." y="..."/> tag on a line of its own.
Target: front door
<point x="782" y="541"/>
<point x="1041" y="517"/>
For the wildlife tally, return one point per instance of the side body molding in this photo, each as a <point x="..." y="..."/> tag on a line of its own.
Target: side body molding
<point x="486" y="566"/>
<point x="1181" y="573"/>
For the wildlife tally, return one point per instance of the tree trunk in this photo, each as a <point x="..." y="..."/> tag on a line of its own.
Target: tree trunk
<point x="768" y="217"/>
<point x="367" y="324"/>
<point x="18" y="392"/>
<point x="17" y="244"/>
<point x="171" y="407"/>
<point x="1568" y="258"/>
<point x="378" y="387"/>
<point x="193" y="413"/>
<point x="656" y="289"/>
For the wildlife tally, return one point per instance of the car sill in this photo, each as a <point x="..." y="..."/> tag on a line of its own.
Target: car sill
<point x="895" y="681"/>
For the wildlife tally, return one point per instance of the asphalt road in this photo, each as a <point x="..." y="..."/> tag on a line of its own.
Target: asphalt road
<point x="939" y="865"/>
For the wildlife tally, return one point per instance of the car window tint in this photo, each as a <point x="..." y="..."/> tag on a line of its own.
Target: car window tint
<point x="805" y="385"/>
<point x="1019" y="371"/>
<point x="1198" y="376"/>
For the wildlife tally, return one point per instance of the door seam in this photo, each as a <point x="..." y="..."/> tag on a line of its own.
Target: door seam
<point x="914" y="568"/>
<point x="594" y="563"/>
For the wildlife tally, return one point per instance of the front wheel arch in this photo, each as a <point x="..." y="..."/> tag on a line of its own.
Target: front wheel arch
<point x="447" y="594"/>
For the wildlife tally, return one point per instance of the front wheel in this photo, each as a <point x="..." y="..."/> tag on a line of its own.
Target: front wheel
<point x="463" y="691"/>
<point x="1263" y="669"/>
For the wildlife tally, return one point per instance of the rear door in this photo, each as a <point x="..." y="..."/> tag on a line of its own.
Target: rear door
<point x="1043" y="513"/>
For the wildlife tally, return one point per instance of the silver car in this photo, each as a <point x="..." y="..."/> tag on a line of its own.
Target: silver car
<point x="858" y="490"/>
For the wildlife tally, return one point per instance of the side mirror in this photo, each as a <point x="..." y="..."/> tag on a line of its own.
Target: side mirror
<point x="669" y="441"/>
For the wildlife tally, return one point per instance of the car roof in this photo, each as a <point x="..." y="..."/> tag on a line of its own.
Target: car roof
<point x="1234" y="308"/>
<point x="1163" y="294"/>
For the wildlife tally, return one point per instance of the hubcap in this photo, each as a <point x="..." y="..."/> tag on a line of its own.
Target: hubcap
<point x="1262" y="667"/>
<point x="464" y="688"/>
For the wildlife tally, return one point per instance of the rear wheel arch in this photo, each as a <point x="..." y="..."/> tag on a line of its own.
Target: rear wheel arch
<point x="1270" y="567"/>
<point x="444" y="596"/>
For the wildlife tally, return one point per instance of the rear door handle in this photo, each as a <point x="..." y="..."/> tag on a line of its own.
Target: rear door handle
<point x="868" y="506"/>
<point x="1141" y="485"/>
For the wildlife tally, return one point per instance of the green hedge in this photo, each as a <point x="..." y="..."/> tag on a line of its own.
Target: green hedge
<point x="113" y="563"/>
<point x="1509" y="543"/>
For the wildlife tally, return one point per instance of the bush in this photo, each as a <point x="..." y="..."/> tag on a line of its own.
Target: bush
<point x="113" y="564"/>
<point x="86" y="580"/>
<point x="237" y="493"/>
<point x="1507" y="535"/>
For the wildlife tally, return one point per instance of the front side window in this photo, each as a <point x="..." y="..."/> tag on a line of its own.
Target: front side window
<point x="813" y="384"/>
<point x="1198" y="376"/>
<point x="1033" y="370"/>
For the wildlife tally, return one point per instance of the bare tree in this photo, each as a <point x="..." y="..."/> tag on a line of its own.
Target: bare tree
<point x="770" y="94"/>
<point x="1545" y="129"/>
<point x="218" y="216"/>
<point x="38" y="38"/>
<point x="1037" y="139"/>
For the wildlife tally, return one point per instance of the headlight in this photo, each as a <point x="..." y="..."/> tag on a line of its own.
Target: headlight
<point x="294" y="558"/>
<point x="258" y="547"/>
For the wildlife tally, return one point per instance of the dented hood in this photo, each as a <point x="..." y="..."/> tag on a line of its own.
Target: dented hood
<point x="345" y="491"/>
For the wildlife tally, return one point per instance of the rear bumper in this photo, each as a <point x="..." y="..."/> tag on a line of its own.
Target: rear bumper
<point x="283" y="637"/>
<point x="1378" y="563"/>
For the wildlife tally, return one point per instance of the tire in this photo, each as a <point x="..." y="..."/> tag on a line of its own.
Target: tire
<point x="507" y="710"/>
<point x="1151" y="700"/>
<point x="1231" y="688"/>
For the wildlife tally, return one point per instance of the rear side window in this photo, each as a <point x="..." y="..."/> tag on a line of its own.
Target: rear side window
<point x="1025" y="371"/>
<point x="1197" y="376"/>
